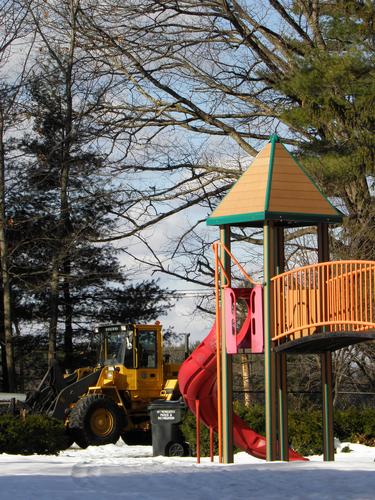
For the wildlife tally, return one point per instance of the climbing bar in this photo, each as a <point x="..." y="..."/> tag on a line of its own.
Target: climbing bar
<point x="218" y="351"/>
<point x="217" y="245"/>
<point x="222" y="281"/>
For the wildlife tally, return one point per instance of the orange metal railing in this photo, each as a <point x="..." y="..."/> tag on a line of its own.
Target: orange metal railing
<point x="326" y="297"/>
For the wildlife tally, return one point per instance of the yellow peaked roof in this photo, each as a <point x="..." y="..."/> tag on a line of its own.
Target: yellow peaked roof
<point x="274" y="187"/>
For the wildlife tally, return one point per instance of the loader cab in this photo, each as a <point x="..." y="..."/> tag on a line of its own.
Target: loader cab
<point x="115" y="343"/>
<point x="131" y="345"/>
<point x="136" y="353"/>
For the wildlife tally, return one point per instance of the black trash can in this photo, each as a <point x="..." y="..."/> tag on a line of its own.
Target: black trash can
<point x="167" y="438"/>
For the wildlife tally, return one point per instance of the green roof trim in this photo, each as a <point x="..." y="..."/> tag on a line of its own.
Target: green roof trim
<point x="277" y="216"/>
<point x="291" y="216"/>
<point x="273" y="140"/>
<point x="239" y="218"/>
<point x="312" y="181"/>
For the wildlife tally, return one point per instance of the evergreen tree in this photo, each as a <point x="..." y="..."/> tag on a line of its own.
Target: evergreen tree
<point x="61" y="276"/>
<point x="331" y="91"/>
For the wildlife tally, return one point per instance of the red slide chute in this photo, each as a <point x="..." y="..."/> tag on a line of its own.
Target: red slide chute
<point x="197" y="381"/>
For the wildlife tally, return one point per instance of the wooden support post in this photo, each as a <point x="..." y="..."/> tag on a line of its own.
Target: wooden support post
<point x="269" y="356"/>
<point x="326" y="364"/>
<point x="226" y="360"/>
<point x="282" y="398"/>
<point x="327" y="406"/>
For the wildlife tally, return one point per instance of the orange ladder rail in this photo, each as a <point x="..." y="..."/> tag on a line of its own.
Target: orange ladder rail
<point x="219" y="266"/>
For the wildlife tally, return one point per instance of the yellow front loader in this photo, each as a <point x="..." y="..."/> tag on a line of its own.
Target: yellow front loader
<point x="98" y="405"/>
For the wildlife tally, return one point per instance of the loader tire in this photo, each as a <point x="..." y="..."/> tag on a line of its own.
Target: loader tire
<point x="137" y="437"/>
<point x="96" y="420"/>
<point x="69" y="440"/>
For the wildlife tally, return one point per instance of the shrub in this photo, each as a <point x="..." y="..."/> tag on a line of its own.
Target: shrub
<point x="346" y="449"/>
<point x="253" y="415"/>
<point x="363" y="439"/>
<point x="305" y="428"/>
<point x="32" y="434"/>
<point x="188" y="429"/>
<point x="305" y="432"/>
<point x="356" y="425"/>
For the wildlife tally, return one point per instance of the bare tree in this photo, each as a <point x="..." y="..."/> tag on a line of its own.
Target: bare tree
<point x="222" y="71"/>
<point x="76" y="92"/>
<point x="13" y="30"/>
<point x="235" y="71"/>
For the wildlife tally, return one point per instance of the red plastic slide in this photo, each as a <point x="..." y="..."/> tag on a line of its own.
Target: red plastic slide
<point x="197" y="381"/>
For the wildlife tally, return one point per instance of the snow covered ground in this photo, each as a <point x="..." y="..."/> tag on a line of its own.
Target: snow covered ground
<point x="130" y="472"/>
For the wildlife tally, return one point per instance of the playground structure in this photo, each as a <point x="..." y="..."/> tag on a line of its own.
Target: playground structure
<point x="314" y="309"/>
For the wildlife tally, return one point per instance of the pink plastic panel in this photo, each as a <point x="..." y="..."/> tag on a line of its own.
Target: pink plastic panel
<point x="230" y="321"/>
<point x="250" y="335"/>
<point x="257" y="333"/>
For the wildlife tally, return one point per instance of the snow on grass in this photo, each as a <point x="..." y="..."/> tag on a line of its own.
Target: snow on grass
<point x="131" y="472"/>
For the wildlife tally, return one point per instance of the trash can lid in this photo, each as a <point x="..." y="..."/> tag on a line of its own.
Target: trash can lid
<point x="162" y="404"/>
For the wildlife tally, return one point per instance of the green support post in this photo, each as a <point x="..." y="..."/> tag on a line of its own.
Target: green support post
<point x="326" y="365"/>
<point x="226" y="360"/>
<point x="281" y="363"/>
<point x="269" y="356"/>
<point x="327" y="396"/>
<point x="282" y="399"/>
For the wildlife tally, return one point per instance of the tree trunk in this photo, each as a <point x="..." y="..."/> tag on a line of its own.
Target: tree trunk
<point x="65" y="219"/>
<point x="19" y="357"/>
<point x="54" y="307"/>
<point x="8" y="338"/>
<point x="5" y="383"/>
<point x="246" y="379"/>
<point x="68" y="311"/>
<point x="361" y="223"/>
<point x="7" y="322"/>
